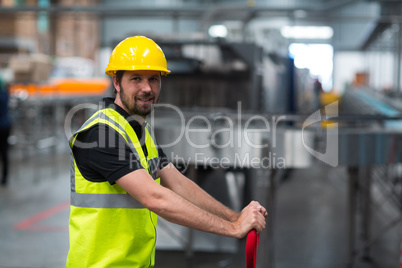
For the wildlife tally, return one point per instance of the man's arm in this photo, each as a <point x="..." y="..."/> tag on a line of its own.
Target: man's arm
<point x="176" y="209"/>
<point x="181" y="185"/>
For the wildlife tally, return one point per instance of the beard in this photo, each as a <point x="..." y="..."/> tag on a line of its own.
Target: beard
<point x="133" y="107"/>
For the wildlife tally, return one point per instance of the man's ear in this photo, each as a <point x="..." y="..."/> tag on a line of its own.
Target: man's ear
<point x="115" y="83"/>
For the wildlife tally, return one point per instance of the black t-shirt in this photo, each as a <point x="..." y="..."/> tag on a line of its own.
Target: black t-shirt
<point x="110" y="158"/>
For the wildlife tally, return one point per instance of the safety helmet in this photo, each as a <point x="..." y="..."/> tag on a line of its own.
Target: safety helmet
<point x="137" y="53"/>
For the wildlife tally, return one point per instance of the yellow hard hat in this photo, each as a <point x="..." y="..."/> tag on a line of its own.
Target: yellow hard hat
<point x="137" y="53"/>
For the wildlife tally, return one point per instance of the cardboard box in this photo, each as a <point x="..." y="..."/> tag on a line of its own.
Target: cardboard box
<point x="42" y="67"/>
<point x="18" y="25"/>
<point x="31" y="68"/>
<point x="8" y="25"/>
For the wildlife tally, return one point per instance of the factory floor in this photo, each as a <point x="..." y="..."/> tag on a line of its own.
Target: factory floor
<point x="310" y="226"/>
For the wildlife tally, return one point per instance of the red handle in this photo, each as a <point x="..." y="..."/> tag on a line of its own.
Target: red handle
<point x="253" y="239"/>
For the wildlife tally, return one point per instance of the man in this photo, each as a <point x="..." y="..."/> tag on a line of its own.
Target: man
<point x="5" y="129"/>
<point x="121" y="180"/>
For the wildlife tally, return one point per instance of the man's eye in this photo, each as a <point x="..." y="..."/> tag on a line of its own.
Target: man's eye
<point x="135" y="78"/>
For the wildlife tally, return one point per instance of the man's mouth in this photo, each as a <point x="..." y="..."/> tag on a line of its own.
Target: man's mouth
<point x="146" y="100"/>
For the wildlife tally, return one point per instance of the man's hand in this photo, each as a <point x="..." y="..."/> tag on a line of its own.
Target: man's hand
<point x="251" y="217"/>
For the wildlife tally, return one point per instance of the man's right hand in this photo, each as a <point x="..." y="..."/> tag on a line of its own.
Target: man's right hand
<point x="251" y="217"/>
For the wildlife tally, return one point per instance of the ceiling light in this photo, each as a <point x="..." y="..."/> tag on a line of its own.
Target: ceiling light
<point x="218" y="31"/>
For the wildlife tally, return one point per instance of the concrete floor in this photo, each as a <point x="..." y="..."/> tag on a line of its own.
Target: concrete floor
<point x="310" y="227"/>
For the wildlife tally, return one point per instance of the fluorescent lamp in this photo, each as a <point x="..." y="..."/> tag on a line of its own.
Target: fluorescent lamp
<point x="218" y="31"/>
<point x="307" y="32"/>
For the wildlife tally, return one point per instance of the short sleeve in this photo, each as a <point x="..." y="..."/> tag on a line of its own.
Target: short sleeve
<point x="109" y="159"/>
<point x="163" y="160"/>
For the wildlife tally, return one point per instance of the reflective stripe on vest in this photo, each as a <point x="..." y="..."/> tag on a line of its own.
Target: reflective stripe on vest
<point x="108" y="227"/>
<point x="117" y="122"/>
<point x="104" y="201"/>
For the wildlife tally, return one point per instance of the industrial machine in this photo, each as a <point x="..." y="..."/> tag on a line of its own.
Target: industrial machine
<point x="216" y="113"/>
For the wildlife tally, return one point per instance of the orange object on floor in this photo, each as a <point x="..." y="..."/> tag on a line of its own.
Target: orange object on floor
<point x="64" y="87"/>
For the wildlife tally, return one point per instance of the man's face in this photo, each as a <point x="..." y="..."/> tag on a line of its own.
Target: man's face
<point x="137" y="91"/>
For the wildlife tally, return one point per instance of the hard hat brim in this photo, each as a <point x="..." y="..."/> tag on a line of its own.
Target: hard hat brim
<point x="112" y="71"/>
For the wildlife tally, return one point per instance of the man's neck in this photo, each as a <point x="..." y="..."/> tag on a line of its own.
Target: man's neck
<point x="136" y="117"/>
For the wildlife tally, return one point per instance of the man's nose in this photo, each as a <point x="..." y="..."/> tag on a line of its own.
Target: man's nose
<point x="146" y="87"/>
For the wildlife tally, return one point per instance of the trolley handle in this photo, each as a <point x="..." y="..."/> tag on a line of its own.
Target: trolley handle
<point x="253" y="240"/>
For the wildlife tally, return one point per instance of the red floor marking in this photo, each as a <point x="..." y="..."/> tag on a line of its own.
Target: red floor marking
<point x="400" y="255"/>
<point x="47" y="228"/>
<point x="28" y="224"/>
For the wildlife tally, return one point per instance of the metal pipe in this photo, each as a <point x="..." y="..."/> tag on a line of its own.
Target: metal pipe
<point x="398" y="57"/>
<point x="188" y="113"/>
<point x="365" y="176"/>
<point x="267" y="237"/>
<point x="271" y="220"/>
<point x="352" y="190"/>
<point x="189" y="251"/>
<point x="399" y="53"/>
<point x="217" y="11"/>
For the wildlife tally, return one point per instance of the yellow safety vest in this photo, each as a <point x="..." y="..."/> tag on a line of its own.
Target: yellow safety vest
<point x="108" y="227"/>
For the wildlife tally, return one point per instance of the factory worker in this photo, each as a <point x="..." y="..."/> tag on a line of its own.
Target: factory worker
<point x="5" y="129"/>
<point x="121" y="180"/>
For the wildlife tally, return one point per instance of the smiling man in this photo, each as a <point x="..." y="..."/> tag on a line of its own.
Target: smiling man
<point x="121" y="180"/>
<point x="140" y="91"/>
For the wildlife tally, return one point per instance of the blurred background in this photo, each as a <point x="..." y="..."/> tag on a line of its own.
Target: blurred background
<point x="294" y="103"/>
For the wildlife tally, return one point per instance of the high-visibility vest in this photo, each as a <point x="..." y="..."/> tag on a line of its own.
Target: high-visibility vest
<point x="108" y="227"/>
